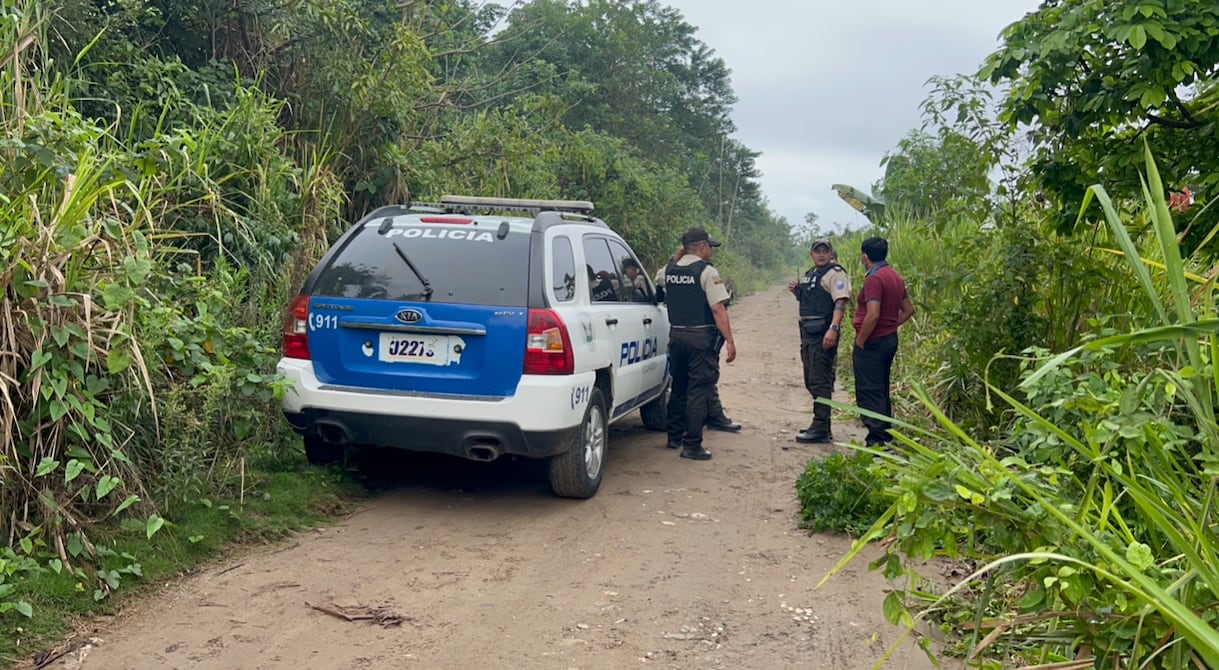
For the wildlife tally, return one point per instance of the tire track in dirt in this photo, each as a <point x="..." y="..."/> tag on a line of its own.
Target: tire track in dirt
<point x="674" y="564"/>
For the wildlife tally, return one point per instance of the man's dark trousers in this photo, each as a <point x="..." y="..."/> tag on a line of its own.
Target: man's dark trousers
<point x="695" y="373"/>
<point x="819" y="373"/>
<point x="873" y="367"/>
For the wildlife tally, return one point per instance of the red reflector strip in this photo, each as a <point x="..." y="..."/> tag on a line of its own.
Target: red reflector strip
<point x="444" y="219"/>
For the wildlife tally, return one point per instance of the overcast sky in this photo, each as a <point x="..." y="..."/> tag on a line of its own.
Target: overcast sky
<point x="826" y="87"/>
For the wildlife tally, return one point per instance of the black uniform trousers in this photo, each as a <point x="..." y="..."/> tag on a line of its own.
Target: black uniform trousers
<point x="715" y="408"/>
<point x="873" y="369"/>
<point x="695" y="370"/>
<point x="820" y="370"/>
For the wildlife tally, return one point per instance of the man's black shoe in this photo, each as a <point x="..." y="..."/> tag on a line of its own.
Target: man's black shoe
<point x="811" y="437"/>
<point x="674" y="445"/>
<point x="697" y="454"/>
<point x="723" y="423"/>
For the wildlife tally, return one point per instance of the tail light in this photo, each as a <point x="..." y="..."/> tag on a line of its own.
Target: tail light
<point x="296" y="328"/>
<point x="548" y="346"/>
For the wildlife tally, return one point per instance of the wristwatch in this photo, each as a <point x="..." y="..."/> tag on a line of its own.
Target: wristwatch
<point x="835" y="327"/>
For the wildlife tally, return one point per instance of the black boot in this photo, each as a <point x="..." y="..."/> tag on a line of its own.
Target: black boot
<point x="696" y="453"/>
<point x="723" y="423"/>
<point x="812" y="436"/>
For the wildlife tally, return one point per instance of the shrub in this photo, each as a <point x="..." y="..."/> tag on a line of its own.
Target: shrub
<point x="840" y="493"/>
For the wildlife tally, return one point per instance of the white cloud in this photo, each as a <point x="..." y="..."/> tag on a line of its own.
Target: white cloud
<point x="826" y="87"/>
<point x="798" y="181"/>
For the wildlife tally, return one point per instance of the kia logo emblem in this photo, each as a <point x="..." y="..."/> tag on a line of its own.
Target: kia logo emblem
<point x="409" y="316"/>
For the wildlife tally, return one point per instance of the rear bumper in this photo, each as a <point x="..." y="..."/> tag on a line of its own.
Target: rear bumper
<point x="484" y="440"/>
<point x="541" y="419"/>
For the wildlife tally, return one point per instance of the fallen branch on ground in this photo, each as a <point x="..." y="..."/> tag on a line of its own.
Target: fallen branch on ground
<point x="384" y="615"/>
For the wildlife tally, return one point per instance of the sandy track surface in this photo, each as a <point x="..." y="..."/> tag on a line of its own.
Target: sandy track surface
<point x="674" y="564"/>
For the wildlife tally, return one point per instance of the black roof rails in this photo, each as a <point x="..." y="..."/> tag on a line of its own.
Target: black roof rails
<point x="546" y="212"/>
<point x="467" y="202"/>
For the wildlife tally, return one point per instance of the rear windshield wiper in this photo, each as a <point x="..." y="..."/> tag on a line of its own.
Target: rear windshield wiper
<point x="427" y="285"/>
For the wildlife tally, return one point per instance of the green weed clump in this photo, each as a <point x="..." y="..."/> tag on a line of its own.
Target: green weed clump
<point x="841" y="493"/>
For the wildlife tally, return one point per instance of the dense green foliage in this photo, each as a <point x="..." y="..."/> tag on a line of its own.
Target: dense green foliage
<point x="1081" y="485"/>
<point x="1094" y="77"/>
<point x="1057" y="386"/>
<point x="936" y="174"/>
<point x="171" y="170"/>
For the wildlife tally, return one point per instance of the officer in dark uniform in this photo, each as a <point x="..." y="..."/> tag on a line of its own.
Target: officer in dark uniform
<point x="823" y="293"/>
<point x="601" y="286"/>
<point x="717" y="419"/>
<point x="695" y="295"/>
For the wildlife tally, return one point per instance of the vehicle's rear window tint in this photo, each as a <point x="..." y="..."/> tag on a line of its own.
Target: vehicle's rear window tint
<point x="464" y="264"/>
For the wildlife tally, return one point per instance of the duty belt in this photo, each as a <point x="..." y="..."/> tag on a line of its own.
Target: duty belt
<point x="671" y="327"/>
<point x="809" y="318"/>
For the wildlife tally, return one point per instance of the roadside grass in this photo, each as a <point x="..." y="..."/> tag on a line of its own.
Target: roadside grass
<point x="272" y="506"/>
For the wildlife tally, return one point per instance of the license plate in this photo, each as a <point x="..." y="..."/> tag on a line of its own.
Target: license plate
<point x="426" y="349"/>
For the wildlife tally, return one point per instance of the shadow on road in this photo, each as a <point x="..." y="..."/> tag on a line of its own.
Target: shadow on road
<point x="393" y="470"/>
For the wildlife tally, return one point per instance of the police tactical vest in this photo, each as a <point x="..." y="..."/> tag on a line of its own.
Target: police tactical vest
<point x="815" y="300"/>
<point x="604" y="291"/>
<point x="685" y="296"/>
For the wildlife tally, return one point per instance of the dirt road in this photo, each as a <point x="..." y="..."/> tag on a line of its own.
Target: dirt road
<point x="674" y="564"/>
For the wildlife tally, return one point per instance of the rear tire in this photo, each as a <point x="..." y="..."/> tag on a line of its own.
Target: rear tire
<point x="655" y="414"/>
<point x="577" y="472"/>
<point x="321" y="452"/>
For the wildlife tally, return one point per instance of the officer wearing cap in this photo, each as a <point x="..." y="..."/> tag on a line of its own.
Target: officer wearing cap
<point x="822" y="293"/>
<point x="717" y="419"/>
<point x="696" y="297"/>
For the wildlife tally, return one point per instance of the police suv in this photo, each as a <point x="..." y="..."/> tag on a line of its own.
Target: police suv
<point x="477" y="327"/>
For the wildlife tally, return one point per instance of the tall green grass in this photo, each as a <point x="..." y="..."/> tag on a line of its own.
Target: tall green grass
<point x="141" y="280"/>
<point x="1091" y="519"/>
<point x="71" y="261"/>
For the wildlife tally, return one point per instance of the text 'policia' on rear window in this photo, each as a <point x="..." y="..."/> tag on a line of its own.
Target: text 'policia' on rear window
<point x="462" y="263"/>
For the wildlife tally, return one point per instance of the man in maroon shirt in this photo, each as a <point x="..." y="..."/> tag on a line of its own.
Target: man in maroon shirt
<point x="883" y="306"/>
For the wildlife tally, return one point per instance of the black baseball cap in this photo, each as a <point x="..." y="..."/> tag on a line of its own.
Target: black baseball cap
<point x="698" y="234"/>
<point x="822" y="241"/>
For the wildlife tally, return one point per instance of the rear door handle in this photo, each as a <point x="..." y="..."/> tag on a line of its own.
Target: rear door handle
<point x="647" y="320"/>
<point x="611" y="321"/>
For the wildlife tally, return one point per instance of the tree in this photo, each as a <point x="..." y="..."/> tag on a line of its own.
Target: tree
<point x="635" y="70"/>
<point x="631" y="69"/>
<point x="944" y="173"/>
<point x="1093" y="78"/>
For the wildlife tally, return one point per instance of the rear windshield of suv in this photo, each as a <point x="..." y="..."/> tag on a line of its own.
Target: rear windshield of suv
<point x="464" y="263"/>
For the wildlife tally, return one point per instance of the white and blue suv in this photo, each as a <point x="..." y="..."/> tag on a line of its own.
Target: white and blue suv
<point x="477" y="327"/>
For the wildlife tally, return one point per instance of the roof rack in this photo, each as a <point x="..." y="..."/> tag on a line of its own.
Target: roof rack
<point x="518" y="204"/>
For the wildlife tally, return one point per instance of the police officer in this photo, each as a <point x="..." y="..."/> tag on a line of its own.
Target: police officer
<point x="634" y="285"/>
<point x="717" y="419"/>
<point x="601" y="286"/>
<point x="823" y="293"/>
<point x="695" y="295"/>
